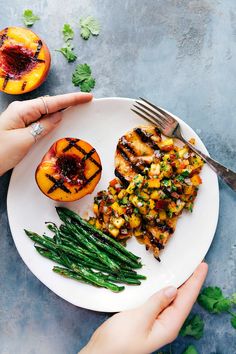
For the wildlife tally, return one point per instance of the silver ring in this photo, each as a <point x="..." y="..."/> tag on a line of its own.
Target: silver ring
<point x="45" y="105"/>
<point x="37" y="129"/>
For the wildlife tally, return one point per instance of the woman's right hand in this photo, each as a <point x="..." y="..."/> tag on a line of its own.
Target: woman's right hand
<point x="150" y="326"/>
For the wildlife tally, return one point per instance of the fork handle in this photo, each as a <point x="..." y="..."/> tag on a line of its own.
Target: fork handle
<point x="227" y="175"/>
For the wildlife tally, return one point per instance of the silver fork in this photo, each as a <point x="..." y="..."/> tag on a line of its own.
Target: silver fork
<point x="170" y="127"/>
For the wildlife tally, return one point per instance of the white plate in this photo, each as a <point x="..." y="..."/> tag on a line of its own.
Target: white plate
<point x="101" y="123"/>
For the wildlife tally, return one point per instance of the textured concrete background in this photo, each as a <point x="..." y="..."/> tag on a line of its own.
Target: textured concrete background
<point x="179" y="54"/>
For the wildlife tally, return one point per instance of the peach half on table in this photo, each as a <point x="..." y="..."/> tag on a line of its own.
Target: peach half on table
<point x="69" y="170"/>
<point x="24" y="60"/>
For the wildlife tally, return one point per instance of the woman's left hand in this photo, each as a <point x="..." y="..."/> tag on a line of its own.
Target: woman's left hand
<point x="15" y="124"/>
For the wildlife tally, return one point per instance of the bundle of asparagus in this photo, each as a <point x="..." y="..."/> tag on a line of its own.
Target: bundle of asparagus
<point x="87" y="254"/>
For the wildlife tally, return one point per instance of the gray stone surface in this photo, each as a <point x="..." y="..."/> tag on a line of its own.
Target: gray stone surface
<point x="180" y="54"/>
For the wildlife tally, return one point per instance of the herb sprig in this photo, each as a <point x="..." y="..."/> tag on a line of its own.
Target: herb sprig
<point x="190" y="350"/>
<point x="29" y="18"/>
<point x="193" y="327"/>
<point x="82" y="77"/>
<point x="68" y="50"/>
<point x="214" y="301"/>
<point x="68" y="33"/>
<point x="89" y="26"/>
<point x="68" y="53"/>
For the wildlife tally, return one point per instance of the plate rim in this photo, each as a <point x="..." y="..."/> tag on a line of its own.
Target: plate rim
<point x="181" y="280"/>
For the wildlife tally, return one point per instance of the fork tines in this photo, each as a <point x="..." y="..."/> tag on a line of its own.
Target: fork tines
<point x="156" y="116"/>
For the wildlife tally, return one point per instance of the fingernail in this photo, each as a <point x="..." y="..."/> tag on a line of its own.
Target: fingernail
<point x="170" y="292"/>
<point x="85" y="93"/>
<point x="55" y="118"/>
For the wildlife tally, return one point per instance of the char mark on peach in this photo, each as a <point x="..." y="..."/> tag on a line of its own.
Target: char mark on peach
<point x="87" y="155"/>
<point x="58" y="183"/>
<point x="5" y="82"/>
<point x="23" y="86"/>
<point x="3" y="37"/>
<point x="89" y="180"/>
<point x="39" y="46"/>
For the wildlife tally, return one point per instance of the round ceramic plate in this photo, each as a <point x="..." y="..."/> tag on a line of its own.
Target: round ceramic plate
<point x="101" y="123"/>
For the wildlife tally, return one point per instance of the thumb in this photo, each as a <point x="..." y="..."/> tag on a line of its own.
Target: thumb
<point x="157" y="303"/>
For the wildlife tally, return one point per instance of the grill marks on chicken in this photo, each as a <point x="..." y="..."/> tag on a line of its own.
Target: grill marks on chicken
<point x="135" y="151"/>
<point x="156" y="180"/>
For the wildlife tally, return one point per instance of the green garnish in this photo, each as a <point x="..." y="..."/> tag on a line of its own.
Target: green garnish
<point x="68" y="33"/>
<point x="190" y="350"/>
<point x="166" y="182"/>
<point x="67" y="50"/>
<point x="124" y="201"/>
<point x="89" y="26"/>
<point x="233" y="320"/>
<point x="233" y="299"/>
<point x="213" y="300"/>
<point x="180" y="178"/>
<point x="68" y="53"/>
<point x="185" y="174"/>
<point x="190" y="207"/>
<point x="136" y="211"/>
<point x="164" y="166"/>
<point x="174" y="188"/>
<point x="193" y="326"/>
<point x="82" y="77"/>
<point x="137" y="181"/>
<point x="126" y="217"/>
<point x="141" y="197"/>
<point x="29" y="18"/>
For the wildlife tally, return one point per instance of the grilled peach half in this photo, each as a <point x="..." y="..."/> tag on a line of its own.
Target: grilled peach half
<point x="69" y="170"/>
<point x="24" y="60"/>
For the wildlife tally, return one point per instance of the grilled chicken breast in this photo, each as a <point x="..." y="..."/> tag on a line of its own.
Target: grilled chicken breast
<point x="155" y="181"/>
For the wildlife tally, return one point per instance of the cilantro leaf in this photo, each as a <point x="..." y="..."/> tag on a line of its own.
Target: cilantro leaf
<point x="193" y="326"/>
<point x="233" y="320"/>
<point x="87" y="85"/>
<point x="233" y="299"/>
<point x="82" y="77"/>
<point x="124" y="201"/>
<point x="29" y="18"/>
<point x="180" y="178"/>
<point x="166" y="182"/>
<point x="223" y="305"/>
<point x="190" y="350"/>
<point x="82" y="72"/>
<point x="213" y="300"/>
<point x="68" y="53"/>
<point x="89" y="25"/>
<point x="190" y="207"/>
<point x="185" y="174"/>
<point x="85" y="33"/>
<point x="67" y="32"/>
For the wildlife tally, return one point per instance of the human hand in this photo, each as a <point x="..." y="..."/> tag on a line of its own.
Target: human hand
<point x="15" y="124"/>
<point x="150" y="326"/>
